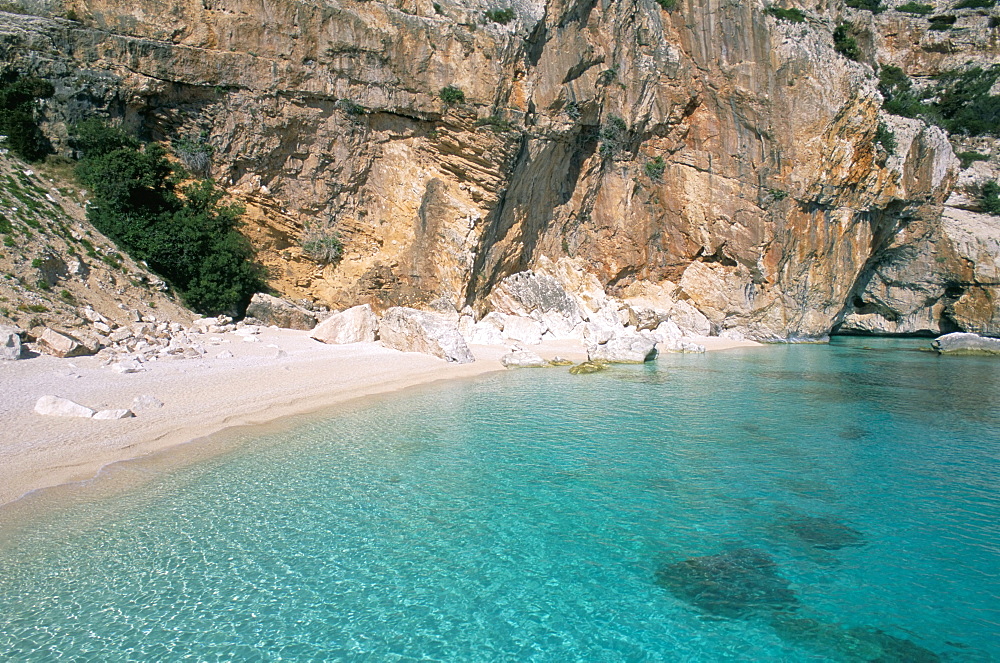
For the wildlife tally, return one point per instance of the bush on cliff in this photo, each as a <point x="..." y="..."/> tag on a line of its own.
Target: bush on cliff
<point x="18" y="95"/>
<point x="183" y="233"/>
<point x="845" y="43"/>
<point x="991" y="198"/>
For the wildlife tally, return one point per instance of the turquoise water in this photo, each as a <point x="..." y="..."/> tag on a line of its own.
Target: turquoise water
<point x="801" y="503"/>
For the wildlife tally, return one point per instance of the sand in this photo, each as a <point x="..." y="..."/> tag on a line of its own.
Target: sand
<point x="200" y="397"/>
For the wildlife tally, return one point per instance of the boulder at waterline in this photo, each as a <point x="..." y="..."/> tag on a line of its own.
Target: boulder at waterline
<point x="961" y="343"/>
<point x="410" y="330"/>
<point x="54" y="406"/>
<point x="268" y="310"/>
<point x="355" y="325"/>
<point x="738" y="583"/>
<point x="623" y="349"/>
<point x="523" y="359"/>
<point x="586" y="367"/>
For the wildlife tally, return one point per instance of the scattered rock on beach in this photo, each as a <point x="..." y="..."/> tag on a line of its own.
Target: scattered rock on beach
<point x="10" y="344"/>
<point x="737" y="584"/>
<point x="146" y="402"/>
<point x="355" y="325"/>
<point x="114" y="414"/>
<point x="55" y="406"/>
<point x="961" y="343"/>
<point x="623" y="349"/>
<point x="268" y="310"/>
<point x="410" y="330"/>
<point x="127" y="366"/>
<point x="61" y="344"/>
<point x="523" y="359"/>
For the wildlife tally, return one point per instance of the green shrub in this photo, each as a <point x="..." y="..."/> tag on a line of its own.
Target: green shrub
<point x="899" y="96"/>
<point x="614" y="135"/>
<point x="36" y="263"/>
<point x="17" y="114"/>
<point x="437" y="9"/>
<point x="844" y="43"/>
<point x="968" y="158"/>
<point x="502" y="16"/>
<point x="5" y="226"/>
<point x="995" y="21"/>
<point x="917" y="8"/>
<point x="792" y="15"/>
<point x="885" y="138"/>
<point x="186" y="235"/>
<point x="322" y="245"/>
<point x="965" y="104"/>
<point x="655" y="168"/>
<point x="874" y="6"/>
<point x="942" y="22"/>
<point x="495" y="122"/>
<point x="452" y="95"/>
<point x="195" y="154"/>
<point x="667" y="5"/>
<point x="94" y="138"/>
<point x="991" y="198"/>
<point x="976" y="4"/>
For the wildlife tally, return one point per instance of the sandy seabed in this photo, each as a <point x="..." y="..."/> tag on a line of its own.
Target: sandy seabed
<point x="284" y="373"/>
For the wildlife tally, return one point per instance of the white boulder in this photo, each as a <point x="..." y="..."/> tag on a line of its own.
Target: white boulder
<point x="523" y="330"/>
<point x="60" y="344"/>
<point x="10" y="344"/>
<point x="114" y="414"/>
<point x="960" y="343"/>
<point x="146" y="402"/>
<point x="522" y="359"/>
<point x="628" y="348"/>
<point x="54" y="406"/>
<point x="410" y="330"/>
<point x="355" y="325"/>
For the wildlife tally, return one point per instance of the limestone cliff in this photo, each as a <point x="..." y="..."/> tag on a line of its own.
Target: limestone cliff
<point x="715" y="146"/>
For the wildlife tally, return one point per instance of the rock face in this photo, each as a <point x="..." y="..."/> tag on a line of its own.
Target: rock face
<point x="268" y="310"/>
<point x="410" y="330"/>
<point x="61" y="407"/>
<point x="10" y="344"/>
<point x="355" y="325"/>
<point x="726" y="152"/>
<point x="60" y="344"/>
<point x="966" y="344"/>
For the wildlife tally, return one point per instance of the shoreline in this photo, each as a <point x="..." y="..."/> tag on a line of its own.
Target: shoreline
<point x="283" y="375"/>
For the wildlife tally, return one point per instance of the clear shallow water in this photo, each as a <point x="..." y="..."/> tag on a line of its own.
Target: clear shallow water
<point x="789" y="503"/>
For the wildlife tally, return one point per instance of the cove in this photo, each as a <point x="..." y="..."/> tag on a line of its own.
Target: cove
<point x="786" y="503"/>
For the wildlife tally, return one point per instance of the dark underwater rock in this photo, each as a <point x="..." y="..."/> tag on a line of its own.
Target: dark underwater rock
<point x="823" y="533"/>
<point x="855" y="643"/>
<point x="737" y="584"/>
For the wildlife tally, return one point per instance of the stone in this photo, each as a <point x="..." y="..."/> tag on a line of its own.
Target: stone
<point x="128" y="366"/>
<point x="623" y="349"/>
<point x="269" y="310"/>
<point x="525" y="293"/>
<point x="61" y="344"/>
<point x="739" y="583"/>
<point x="522" y="330"/>
<point x="10" y="344"/>
<point x="146" y="402"/>
<point x="114" y="414"/>
<point x="522" y="359"/>
<point x="225" y="354"/>
<point x="854" y="643"/>
<point x="679" y="345"/>
<point x="560" y="361"/>
<point x="61" y="407"/>
<point x="960" y="343"/>
<point x="355" y="325"/>
<point x="586" y="367"/>
<point x="411" y="330"/>
<point x="489" y="330"/>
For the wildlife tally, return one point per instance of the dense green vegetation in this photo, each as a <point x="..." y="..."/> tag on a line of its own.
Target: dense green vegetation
<point x="991" y="198"/>
<point x="968" y="158"/>
<point x="917" y="8"/>
<point x="845" y="43"/>
<point x="452" y="95"/>
<point x="792" y="15"/>
<point x="502" y="16"/>
<point x="960" y="101"/>
<point x="18" y="95"/>
<point x="655" y="168"/>
<point x="885" y="138"/>
<point x="614" y="135"/>
<point x="941" y="22"/>
<point x="183" y="233"/>
<point x="667" y="5"/>
<point x="874" y="6"/>
<point x="976" y="4"/>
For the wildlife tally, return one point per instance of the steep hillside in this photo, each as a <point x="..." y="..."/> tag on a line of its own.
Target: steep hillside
<point x="722" y="146"/>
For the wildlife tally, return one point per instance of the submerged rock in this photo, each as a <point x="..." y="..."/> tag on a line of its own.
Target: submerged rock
<point x="824" y="533"/>
<point x="736" y="584"/>
<point x="560" y="361"/>
<point x="588" y="367"/>
<point x="855" y="643"/>
<point x="961" y="343"/>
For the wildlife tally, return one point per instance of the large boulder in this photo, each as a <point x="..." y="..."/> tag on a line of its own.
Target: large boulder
<point x="61" y="407"/>
<point x="961" y="343"/>
<point x="488" y="331"/>
<point x="410" y="330"/>
<point x="61" y="344"/>
<point x="522" y="359"/>
<point x="623" y="349"/>
<point x="355" y="325"/>
<point x="10" y="344"/>
<point x="523" y="330"/>
<point x="268" y="310"/>
<point x="527" y="293"/>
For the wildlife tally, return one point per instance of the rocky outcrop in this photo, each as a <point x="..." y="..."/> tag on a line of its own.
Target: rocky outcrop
<point x="959" y="343"/>
<point x="10" y="344"/>
<point x="355" y="325"/>
<point x="265" y="309"/>
<point x="59" y="344"/>
<point x="726" y="155"/>
<point x="623" y="349"/>
<point x="410" y="330"/>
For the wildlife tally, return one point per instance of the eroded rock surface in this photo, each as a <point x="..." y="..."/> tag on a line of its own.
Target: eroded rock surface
<point x="410" y="330"/>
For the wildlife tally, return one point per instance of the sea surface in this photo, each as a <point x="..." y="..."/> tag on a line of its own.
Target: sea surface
<point x="788" y="503"/>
